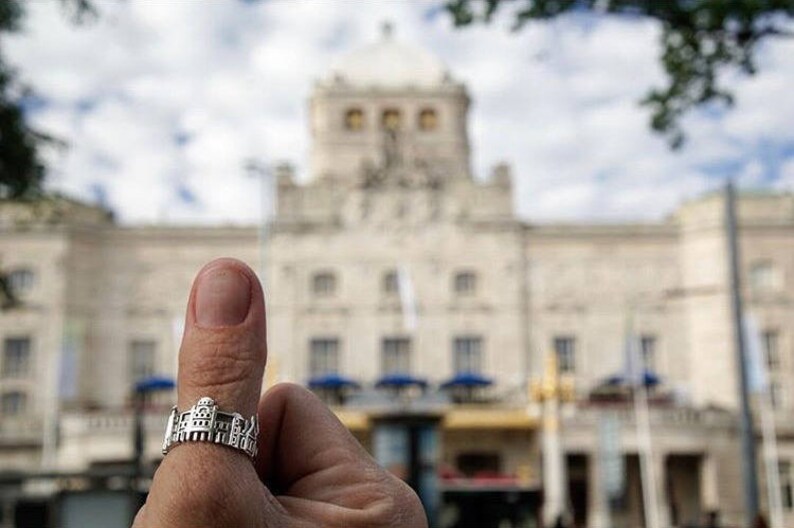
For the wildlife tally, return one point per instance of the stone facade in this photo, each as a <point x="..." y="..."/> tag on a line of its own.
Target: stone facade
<point x="393" y="208"/>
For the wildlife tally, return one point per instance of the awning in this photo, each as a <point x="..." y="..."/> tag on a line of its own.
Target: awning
<point x="648" y="379"/>
<point x="154" y="383"/>
<point x="488" y="419"/>
<point x="467" y="379"/>
<point x="332" y="381"/>
<point x="398" y="381"/>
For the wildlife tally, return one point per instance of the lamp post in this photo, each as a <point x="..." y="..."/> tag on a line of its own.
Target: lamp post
<point x="257" y="169"/>
<point x="142" y="388"/>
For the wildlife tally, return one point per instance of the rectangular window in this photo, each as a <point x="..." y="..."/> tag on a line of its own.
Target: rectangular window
<point x="770" y="344"/>
<point x="467" y="355"/>
<point x="396" y="355"/>
<point x="391" y="283"/>
<point x="323" y="357"/>
<point x="776" y="395"/>
<point x="16" y="357"/>
<point x="565" y="348"/>
<point x="786" y="485"/>
<point x="648" y="351"/>
<point x="324" y="284"/>
<point x="13" y="403"/>
<point x="141" y="359"/>
<point x="465" y="283"/>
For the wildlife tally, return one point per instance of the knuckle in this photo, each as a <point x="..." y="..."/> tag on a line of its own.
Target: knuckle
<point x="210" y="497"/>
<point x="407" y="509"/>
<point x="219" y="360"/>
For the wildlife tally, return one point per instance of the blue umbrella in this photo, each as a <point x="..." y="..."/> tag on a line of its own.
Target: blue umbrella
<point x="398" y="381"/>
<point x="154" y="383"/>
<point x="649" y="379"/>
<point x="467" y="379"/>
<point x="332" y="381"/>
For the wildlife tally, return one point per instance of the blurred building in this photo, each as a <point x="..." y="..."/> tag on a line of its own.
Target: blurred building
<point x="393" y="263"/>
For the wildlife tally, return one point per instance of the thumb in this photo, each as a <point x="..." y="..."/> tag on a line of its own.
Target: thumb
<point x="223" y="356"/>
<point x="223" y="351"/>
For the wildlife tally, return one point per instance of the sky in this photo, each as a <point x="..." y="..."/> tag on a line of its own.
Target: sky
<point x="162" y="102"/>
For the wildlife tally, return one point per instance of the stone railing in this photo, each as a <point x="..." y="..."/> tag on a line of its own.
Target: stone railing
<point x="18" y="431"/>
<point x="110" y="423"/>
<point x="666" y="416"/>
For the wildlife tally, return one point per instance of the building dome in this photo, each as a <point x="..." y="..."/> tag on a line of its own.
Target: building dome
<point x="390" y="64"/>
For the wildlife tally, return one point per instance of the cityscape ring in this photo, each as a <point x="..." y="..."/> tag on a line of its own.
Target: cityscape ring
<point x="205" y="423"/>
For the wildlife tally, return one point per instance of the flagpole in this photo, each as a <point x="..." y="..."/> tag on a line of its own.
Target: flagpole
<point x="268" y="189"/>
<point x="758" y="383"/>
<point x="748" y="449"/>
<point x="771" y="461"/>
<point x="642" y="421"/>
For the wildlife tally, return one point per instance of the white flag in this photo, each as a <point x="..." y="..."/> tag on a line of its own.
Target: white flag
<point x="633" y="369"/>
<point x="754" y="355"/>
<point x="407" y="299"/>
<point x="71" y="350"/>
<point x="177" y="331"/>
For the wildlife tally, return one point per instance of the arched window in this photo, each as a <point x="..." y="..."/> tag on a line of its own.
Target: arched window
<point x="13" y="403"/>
<point x="324" y="284"/>
<point x="465" y="283"/>
<point x="392" y="119"/>
<point x="354" y="119"/>
<point x="428" y="119"/>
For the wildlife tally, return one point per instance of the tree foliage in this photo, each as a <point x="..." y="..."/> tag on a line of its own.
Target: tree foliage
<point x="22" y="169"/>
<point x="700" y="40"/>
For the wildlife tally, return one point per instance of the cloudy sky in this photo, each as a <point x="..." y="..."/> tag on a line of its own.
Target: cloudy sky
<point x="162" y="101"/>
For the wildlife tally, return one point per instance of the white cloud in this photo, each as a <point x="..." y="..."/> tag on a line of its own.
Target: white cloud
<point x="162" y="102"/>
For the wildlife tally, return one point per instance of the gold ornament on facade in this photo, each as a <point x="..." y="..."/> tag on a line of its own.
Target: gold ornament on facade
<point x="552" y="386"/>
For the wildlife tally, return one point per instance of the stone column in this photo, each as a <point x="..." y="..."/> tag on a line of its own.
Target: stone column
<point x="598" y="502"/>
<point x="660" y="472"/>
<point x="555" y="481"/>
<point x="7" y="506"/>
<point x="709" y="494"/>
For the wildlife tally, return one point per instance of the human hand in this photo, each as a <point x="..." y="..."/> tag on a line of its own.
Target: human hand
<point x="310" y="471"/>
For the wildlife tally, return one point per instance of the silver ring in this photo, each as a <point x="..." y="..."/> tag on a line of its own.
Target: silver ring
<point x="205" y="423"/>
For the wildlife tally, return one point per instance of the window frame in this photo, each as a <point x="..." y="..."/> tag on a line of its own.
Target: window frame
<point x="21" y="406"/>
<point x="764" y="276"/>
<point x="465" y="283"/>
<point x="390" y="283"/>
<point x="473" y="350"/>
<point x="317" y="280"/>
<point x="134" y="347"/>
<point x="328" y="352"/>
<point x="18" y="373"/>
<point x="396" y="346"/>
<point x="651" y="351"/>
<point x="21" y="280"/>
<point x="786" y="482"/>
<point x="566" y="356"/>
<point x="770" y="346"/>
<point x="777" y="395"/>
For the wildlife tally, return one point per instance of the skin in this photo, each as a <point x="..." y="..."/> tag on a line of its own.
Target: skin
<point x="310" y="471"/>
